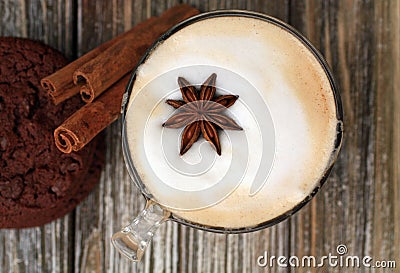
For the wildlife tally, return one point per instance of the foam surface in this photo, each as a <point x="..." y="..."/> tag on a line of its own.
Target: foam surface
<point x="281" y="72"/>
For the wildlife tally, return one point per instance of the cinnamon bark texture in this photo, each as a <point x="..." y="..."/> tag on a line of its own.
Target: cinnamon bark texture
<point x="101" y="72"/>
<point x="105" y="70"/>
<point x="60" y="85"/>
<point x="82" y="126"/>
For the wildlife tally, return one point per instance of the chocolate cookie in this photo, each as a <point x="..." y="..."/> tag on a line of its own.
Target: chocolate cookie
<point x="38" y="183"/>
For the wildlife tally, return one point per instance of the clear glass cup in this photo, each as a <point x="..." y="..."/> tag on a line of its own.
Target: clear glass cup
<point x="132" y="240"/>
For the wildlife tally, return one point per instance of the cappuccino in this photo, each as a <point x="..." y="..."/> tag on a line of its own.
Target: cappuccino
<point x="286" y="107"/>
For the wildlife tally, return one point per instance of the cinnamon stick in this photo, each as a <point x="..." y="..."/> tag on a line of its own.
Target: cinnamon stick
<point x="101" y="72"/>
<point x="80" y="128"/>
<point x="60" y="85"/>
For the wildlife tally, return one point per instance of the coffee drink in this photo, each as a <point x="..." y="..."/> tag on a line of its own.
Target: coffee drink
<point x="286" y="107"/>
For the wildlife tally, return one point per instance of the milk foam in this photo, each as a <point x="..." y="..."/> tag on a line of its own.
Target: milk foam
<point x="289" y="80"/>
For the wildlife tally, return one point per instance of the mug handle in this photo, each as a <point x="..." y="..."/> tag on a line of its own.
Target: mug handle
<point x="133" y="239"/>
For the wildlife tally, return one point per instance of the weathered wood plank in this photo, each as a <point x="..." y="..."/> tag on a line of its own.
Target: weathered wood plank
<point x="47" y="248"/>
<point x="357" y="207"/>
<point x="42" y="249"/>
<point x="13" y="19"/>
<point x="386" y="227"/>
<point x="48" y="21"/>
<point x="395" y="42"/>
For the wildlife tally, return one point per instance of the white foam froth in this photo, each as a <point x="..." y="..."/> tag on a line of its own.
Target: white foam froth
<point x="286" y="77"/>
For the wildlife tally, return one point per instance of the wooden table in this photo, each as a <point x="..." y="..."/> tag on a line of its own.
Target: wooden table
<point x="359" y="206"/>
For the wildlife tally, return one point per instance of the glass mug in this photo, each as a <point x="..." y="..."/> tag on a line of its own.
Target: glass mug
<point x="263" y="183"/>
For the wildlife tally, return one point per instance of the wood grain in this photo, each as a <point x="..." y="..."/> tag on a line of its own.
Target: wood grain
<point x="356" y="38"/>
<point x="359" y="206"/>
<point x="386" y="221"/>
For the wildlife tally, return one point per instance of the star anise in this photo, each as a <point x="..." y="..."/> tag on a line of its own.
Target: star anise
<point x="200" y="112"/>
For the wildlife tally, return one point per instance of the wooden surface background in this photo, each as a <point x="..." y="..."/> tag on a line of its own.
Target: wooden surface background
<point x="359" y="206"/>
